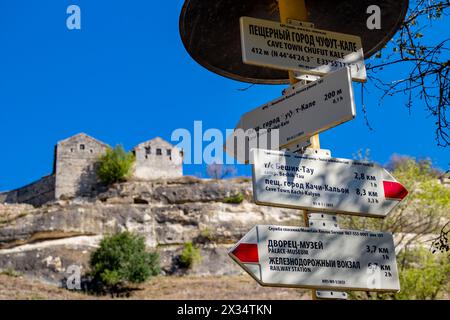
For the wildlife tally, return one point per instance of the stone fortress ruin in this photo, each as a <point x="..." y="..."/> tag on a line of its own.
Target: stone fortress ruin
<point x="75" y="164"/>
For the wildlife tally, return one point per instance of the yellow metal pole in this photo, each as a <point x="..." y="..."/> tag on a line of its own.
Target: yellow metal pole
<point x="296" y="10"/>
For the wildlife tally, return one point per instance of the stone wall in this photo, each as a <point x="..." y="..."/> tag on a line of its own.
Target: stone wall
<point x="76" y="160"/>
<point x="157" y="159"/>
<point x="8" y="197"/>
<point x="36" y="193"/>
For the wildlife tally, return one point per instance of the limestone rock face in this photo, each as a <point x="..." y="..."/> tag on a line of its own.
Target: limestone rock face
<point x="10" y="212"/>
<point x="44" y="242"/>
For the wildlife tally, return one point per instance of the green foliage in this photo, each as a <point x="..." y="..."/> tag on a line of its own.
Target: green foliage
<point x="422" y="212"/>
<point x="115" y="165"/>
<point x="11" y="273"/>
<point x="190" y="255"/>
<point x="235" y="199"/>
<point x="207" y="234"/>
<point x="423" y="275"/>
<point x="122" y="259"/>
<point x="428" y="197"/>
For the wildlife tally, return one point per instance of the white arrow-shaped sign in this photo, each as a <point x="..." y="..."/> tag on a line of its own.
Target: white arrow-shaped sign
<point x="314" y="182"/>
<point x="320" y="259"/>
<point x="304" y="111"/>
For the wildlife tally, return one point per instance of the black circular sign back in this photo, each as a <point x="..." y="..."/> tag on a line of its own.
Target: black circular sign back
<point x="210" y="31"/>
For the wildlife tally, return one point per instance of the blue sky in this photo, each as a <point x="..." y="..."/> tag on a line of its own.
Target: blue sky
<point x="126" y="77"/>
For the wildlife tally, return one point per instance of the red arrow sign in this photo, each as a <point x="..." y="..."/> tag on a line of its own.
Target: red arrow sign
<point x="246" y="253"/>
<point x="314" y="181"/>
<point x="394" y="190"/>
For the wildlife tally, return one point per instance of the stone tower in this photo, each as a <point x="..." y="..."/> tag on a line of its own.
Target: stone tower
<point x="75" y="165"/>
<point x="156" y="159"/>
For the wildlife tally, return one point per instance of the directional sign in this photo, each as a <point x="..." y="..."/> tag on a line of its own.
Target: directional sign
<point x="315" y="182"/>
<point x="305" y="111"/>
<point x="320" y="259"/>
<point x="297" y="48"/>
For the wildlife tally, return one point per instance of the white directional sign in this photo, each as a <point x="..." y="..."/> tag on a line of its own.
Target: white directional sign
<point x="319" y="259"/>
<point x="304" y="111"/>
<point x="315" y="182"/>
<point x="297" y="48"/>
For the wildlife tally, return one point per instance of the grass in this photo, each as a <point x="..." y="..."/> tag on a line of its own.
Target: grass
<point x="236" y="199"/>
<point x="157" y="288"/>
<point x="11" y="273"/>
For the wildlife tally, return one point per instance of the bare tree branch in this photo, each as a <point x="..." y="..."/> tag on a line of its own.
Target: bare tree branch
<point x="427" y="81"/>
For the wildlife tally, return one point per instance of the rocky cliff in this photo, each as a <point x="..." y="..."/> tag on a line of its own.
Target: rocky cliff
<point x="43" y="242"/>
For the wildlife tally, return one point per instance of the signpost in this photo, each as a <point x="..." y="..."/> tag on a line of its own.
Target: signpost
<point x="305" y="111"/>
<point x="313" y="182"/>
<point x="298" y="48"/>
<point x="320" y="259"/>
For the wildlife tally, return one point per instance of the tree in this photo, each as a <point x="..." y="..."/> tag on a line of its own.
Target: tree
<point x="426" y="63"/>
<point x="219" y="171"/>
<point x="440" y="244"/>
<point x="122" y="259"/>
<point x="423" y="276"/>
<point x="421" y="213"/>
<point x="414" y="221"/>
<point x="115" y="165"/>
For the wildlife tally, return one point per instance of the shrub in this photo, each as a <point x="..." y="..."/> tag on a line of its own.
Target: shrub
<point x="423" y="276"/>
<point x="236" y="199"/>
<point x="423" y="212"/>
<point x="190" y="255"/>
<point x="122" y="259"/>
<point x="206" y="236"/>
<point x="115" y="165"/>
<point x="11" y="273"/>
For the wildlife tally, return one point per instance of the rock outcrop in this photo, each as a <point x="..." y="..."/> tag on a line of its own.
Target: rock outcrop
<point x="43" y="242"/>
